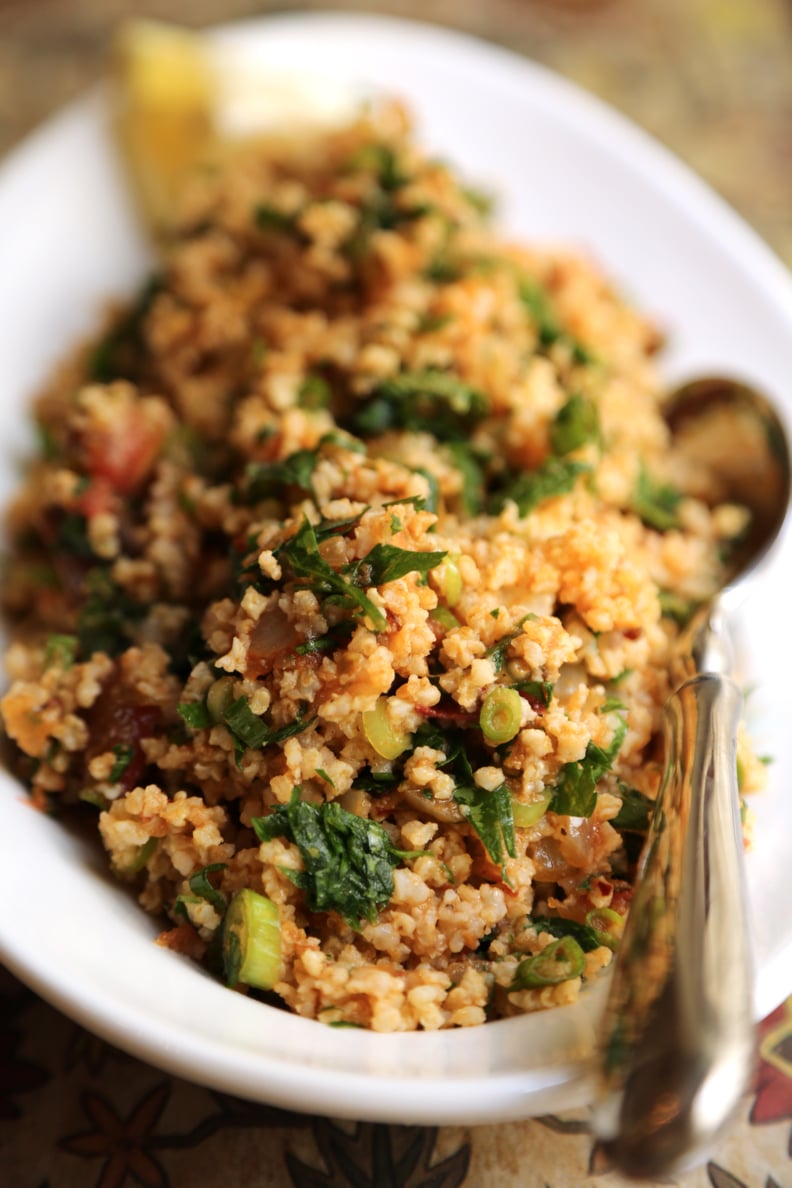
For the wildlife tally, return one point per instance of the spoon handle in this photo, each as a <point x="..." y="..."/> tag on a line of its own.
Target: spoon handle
<point x="677" y="1041"/>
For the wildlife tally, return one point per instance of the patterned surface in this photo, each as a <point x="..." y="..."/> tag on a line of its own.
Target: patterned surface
<point x="713" y="79"/>
<point x="76" y="1113"/>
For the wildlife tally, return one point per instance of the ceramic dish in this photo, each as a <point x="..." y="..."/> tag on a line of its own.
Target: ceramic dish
<point x="567" y="170"/>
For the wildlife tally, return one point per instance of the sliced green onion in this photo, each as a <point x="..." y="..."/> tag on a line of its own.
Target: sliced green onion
<point x="252" y="941"/>
<point x="446" y="618"/>
<point x="606" y="925"/>
<point x="501" y="715"/>
<point x="141" y="858"/>
<point x="220" y="698"/>
<point x="449" y="580"/>
<point x="386" y="741"/>
<point x="528" y="814"/>
<point x="560" y="961"/>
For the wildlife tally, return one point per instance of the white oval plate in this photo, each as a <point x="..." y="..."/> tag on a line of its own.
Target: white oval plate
<point x="568" y="170"/>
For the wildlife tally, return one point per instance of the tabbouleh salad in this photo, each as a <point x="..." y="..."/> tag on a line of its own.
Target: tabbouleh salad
<point x="344" y="586"/>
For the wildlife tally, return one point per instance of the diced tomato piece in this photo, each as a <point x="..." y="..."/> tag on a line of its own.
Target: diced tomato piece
<point x="124" y="453"/>
<point x="97" y="498"/>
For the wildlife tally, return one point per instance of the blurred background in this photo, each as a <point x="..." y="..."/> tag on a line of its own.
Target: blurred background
<point x="710" y="78"/>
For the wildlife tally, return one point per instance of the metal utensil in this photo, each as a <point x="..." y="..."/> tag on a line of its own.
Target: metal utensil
<point x="677" y="1043"/>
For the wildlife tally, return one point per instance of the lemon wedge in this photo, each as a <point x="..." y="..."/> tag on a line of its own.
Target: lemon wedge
<point x="165" y="94"/>
<point x="184" y="99"/>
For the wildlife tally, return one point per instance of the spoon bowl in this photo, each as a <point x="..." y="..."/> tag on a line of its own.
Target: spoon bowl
<point x="737" y="433"/>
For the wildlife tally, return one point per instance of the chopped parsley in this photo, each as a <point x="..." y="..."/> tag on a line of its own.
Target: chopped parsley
<point x="71" y="535"/>
<point x="301" y="553"/>
<point x="497" y="652"/>
<point x="201" y="888"/>
<point x="490" y="814"/>
<point x="635" y="812"/>
<point x="382" y="161"/>
<point x="124" y="753"/>
<point x="315" y="392"/>
<point x="348" y="860"/>
<point x="430" y="401"/>
<point x="575" y="793"/>
<point x="263" y="479"/>
<point x="386" y="563"/>
<point x="677" y="607"/>
<point x="60" y="651"/>
<point x="556" y="926"/>
<point x="248" y="730"/>
<point x="540" y="692"/>
<point x="270" y="218"/>
<point x="610" y="704"/>
<point x="556" y="476"/>
<point x="464" y="459"/>
<point x="108" y="615"/>
<point x="656" y="503"/>
<point x="116" y="356"/>
<point x="382" y="564"/>
<point x="549" y="330"/>
<point x="575" y="424"/>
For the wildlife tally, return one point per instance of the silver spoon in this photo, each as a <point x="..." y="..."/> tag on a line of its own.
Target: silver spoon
<point x="677" y="1042"/>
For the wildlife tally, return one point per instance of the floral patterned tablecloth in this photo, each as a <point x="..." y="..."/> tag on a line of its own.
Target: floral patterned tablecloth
<point x="713" y="78"/>
<point x="77" y="1113"/>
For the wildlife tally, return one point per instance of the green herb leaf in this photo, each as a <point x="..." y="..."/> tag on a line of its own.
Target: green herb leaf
<point x="270" y="218"/>
<point x="376" y="782"/>
<point x="124" y="753"/>
<point x="675" y="606"/>
<point x="344" y="441"/>
<point x="539" y="691"/>
<point x="490" y="814"/>
<point x="548" y="327"/>
<point x="656" y="503"/>
<point x="385" y="563"/>
<point x="558" y="927"/>
<point x="575" y="793"/>
<point x="482" y="202"/>
<point x="497" y="651"/>
<point x="429" y="401"/>
<point x="315" y="392"/>
<point x="60" y="651"/>
<point x="348" y="860"/>
<point x="263" y="479"/>
<point x="338" y="636"/>
<point x="71" y="535"/>
<point x="635" y="812"/>
<point x="108" y="615"/>
<point x="430" y="323"/>
<point x="468" y="465"/>
<point x="575" y="424"/>
<point x="557" y="476"/>
<point x="199" y="885"/>
<point x="538" y="304"/>
<point x="118" y="355"/>
<point x="301" y="552"/>
<point x="382" y="161"/>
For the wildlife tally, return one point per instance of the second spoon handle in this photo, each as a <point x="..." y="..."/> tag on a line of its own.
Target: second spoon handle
<point x="678" y="1034"/>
